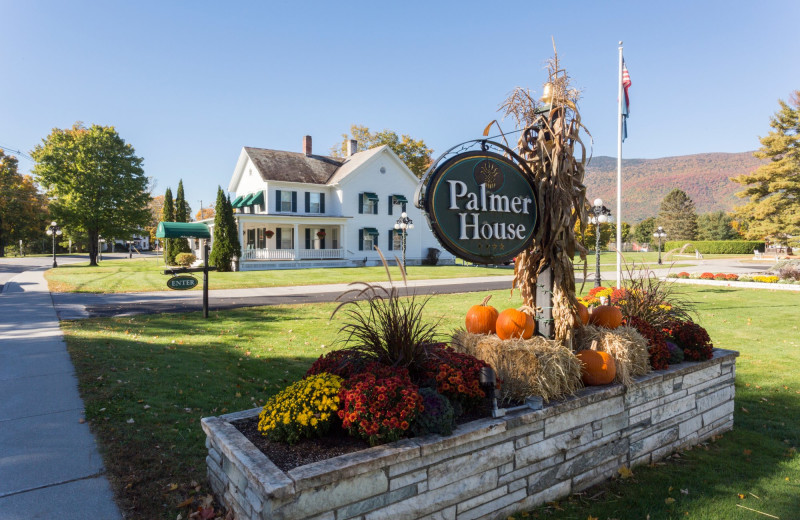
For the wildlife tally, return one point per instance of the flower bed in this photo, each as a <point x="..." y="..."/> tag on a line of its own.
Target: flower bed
<point x="488" y="468"/>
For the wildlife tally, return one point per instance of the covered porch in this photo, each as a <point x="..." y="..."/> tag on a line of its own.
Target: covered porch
<point x="271" y="239"/>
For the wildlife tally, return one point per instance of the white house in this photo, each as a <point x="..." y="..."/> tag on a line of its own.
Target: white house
<point x="304" y="210"/>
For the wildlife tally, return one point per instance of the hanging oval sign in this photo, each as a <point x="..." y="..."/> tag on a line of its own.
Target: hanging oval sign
<point x="182" y="283"/>
<point x="481" y="206"/>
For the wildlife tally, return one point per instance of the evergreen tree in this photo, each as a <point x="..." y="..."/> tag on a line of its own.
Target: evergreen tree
<point x="182" y="212"/>
<point x="716" y="225"/>
<point x="643" y="232"/>
<point x="773" y="189"/>
<point x="233" y="229"/>
<point x="677" y="216"/>
<point x="226" y="239"/>
<point x="168" y="215"/>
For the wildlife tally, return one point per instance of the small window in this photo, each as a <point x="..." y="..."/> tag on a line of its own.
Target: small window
<point x="286" y="201"/>
<point x="314" y="203"/>
<point x="286" y="238"/>
<point x="368" y="242"/>
<point x="397" y="240"/>
<point x="369" y="203"/>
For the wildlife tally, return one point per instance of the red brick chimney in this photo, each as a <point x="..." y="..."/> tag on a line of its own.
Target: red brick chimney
<point x="307" y="144"/>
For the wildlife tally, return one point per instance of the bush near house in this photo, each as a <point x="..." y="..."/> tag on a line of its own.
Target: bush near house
<point x="718" y="247"/>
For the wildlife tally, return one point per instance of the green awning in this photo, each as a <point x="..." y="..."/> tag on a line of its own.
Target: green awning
<point x="182" y="230"/>
<point x="370" y="231"/>
<point x="248" y="199"/>
<point x="257" y="198"/>
<point x="400" y="199"/>
<point x="371" y="196"/>
<point x="238" y="201"/>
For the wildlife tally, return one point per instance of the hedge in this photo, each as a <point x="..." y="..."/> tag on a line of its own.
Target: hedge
<point x="717" y="247"/>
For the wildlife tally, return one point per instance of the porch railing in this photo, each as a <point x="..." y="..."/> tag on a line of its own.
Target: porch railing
<point x="289" y="254"/>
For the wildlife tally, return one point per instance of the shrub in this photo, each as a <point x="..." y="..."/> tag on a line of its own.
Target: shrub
<point x="720" y="276"/>
<point x="342" y="363"/>
<point x="707" y="276"/>
<point x="613" y="295"/>
<point x="185" y="259"/>
<point x="745" y="278"/>
<point x="651" y="299"/>
<point x="386" y="328"/>
<point x="377" y="406"/>
<point x="673" y="275"/>
<point x="765" y="279"/>
<point x="694" y="276"/>
<point x="656" y="343"/>
<point x="721" y="247"/>
<point x="456" y="376"/>
<point x="693" y="339"/>
<point x="437" y="415"/>
<point x="732" y="277"/>
<point x="787" y="269"/>
<point x="304" y="409"/>
<point x="683" y="275"/>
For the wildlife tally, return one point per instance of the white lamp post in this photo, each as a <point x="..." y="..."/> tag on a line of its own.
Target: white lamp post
<point x="600" y="215"/>
<point x="404" y="224"/>
<point x="659" y="234"/>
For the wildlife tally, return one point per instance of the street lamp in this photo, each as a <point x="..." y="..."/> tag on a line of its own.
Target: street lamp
<point x="659" y="234"/>
<point x="600" y="215"/>
<point x="54" y="230"/>
<point x="403" y="224"/>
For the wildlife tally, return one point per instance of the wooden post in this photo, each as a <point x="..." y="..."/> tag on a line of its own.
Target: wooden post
<point x="205" y="278"/>
<point x="544" y="301"/>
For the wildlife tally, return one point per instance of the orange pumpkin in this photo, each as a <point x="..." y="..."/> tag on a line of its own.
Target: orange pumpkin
<point x="583" y="313"/>
<point x="513" y="323"/>
<point x="482" y="319"/>
<point x="597" y="368"/>
<point x="606" y="316"/>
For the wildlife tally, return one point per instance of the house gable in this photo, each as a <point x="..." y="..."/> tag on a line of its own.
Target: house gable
<point x="344" y="177"/>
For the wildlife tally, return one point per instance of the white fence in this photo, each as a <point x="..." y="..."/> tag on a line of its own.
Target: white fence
<point x="289" y="254"/>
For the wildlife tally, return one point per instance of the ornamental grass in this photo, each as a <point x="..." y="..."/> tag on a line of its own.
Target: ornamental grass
<point x="535" y="366"/>
<point x="624" y="344"/>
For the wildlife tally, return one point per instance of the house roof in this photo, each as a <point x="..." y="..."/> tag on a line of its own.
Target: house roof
<point x="277" y="165"/>
<point x="353" y="162"/>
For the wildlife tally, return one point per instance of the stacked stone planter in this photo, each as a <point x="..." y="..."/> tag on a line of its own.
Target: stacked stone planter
<point x="489" y="468"/>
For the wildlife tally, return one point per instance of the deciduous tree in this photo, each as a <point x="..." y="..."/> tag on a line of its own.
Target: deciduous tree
<point x="23" y="210"/>
<point x="414" y="153"/>
<point x="773" y="190"/>
<point x="95" y="181"/>
<point x="716" y="225"/>
<point x="677" y="216"/>
<point x="643" y="231"/>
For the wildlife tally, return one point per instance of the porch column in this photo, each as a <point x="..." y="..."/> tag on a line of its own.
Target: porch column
<point x="343" y="240"/>
<point x="241" y="236"/>
<point x="296" y="232"/>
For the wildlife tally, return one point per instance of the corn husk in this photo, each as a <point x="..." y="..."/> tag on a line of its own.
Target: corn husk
<point x="536" y="366"/>
<point x="624" y="344"/>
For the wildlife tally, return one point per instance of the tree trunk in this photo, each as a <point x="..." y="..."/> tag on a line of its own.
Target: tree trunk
<point x="93" y="238"/>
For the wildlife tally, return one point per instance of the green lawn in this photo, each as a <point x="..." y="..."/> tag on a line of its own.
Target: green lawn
<point x="134" y="275"/>
<point x="147" y="380"/>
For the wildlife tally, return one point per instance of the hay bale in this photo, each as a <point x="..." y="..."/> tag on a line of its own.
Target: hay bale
<point x="624" y="344"/>
<point x="535" y="366"/>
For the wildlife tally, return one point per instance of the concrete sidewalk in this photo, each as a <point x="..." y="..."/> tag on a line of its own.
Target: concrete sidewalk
<point x="49" y="463"/>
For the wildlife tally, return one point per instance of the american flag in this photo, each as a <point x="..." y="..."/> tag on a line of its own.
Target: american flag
<point x="626" y="82"/>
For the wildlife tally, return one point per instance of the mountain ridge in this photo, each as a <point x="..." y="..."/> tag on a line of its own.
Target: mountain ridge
<point x="704" y="177"/>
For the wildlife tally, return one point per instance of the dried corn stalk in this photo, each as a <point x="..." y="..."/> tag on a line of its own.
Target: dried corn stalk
<point x="548" y="140"/>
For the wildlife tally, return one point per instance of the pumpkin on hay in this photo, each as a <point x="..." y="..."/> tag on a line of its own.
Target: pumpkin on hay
<point x="583" y="313"/>
<point x="514" y="323"/>
<point x="482" y="319"/>
<point x="597" y="367"/>
<point x="606" y="316"/>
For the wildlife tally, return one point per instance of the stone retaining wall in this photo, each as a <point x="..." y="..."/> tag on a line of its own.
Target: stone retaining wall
<point x="489" y="468"/>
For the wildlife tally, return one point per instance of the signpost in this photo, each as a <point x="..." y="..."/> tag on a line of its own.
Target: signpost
<point x="187" y="230"/>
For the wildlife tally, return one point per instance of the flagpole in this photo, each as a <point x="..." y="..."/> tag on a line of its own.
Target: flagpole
<point x="619" y="171"/>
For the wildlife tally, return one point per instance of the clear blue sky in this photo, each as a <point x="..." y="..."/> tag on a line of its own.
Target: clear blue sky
<point x="189" y="83"/>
